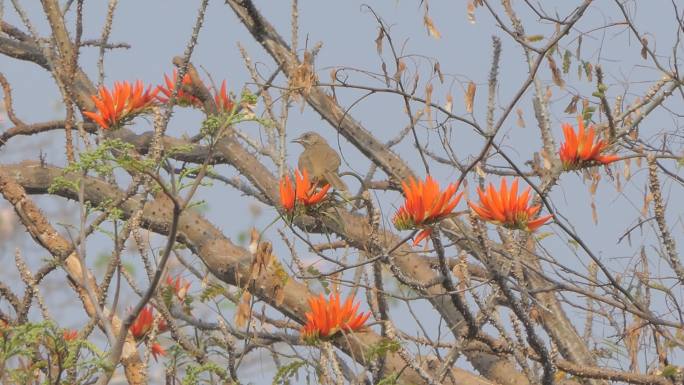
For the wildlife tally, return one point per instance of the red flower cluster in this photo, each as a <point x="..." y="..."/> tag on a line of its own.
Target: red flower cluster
<point x="69" y="335"/>
<point x="120" y="105"/>
<point x="116" y="107"/>
<point x="179" y="286"/>
<point x="328" y="317"/>
<point x="506" y="208"/>
<point x="425" y="204"/>
<point x="223" y="101"/>
<point x="302" y="192"/>
<point x="579" y="149"/>
<point x="142" y="326"/>
<point x="183" y="98"/>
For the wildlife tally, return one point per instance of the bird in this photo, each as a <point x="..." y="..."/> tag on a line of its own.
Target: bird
<point x="320" y="161"/>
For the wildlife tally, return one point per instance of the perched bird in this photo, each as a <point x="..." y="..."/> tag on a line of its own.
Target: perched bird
<point x="320" y="160"/>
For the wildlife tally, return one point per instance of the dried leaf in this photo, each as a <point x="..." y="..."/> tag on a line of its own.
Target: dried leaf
<point x="534" y="38"/>
<point x="627" y="170"/>
<point x="555" y="73"/>
<point x="648" y="198"/>
<point x="632" y="337"/>
<point x="521" y="120"/>
<point x="471" y="12"/>
<point x="594" y="213"/>
<point x="243" y="310"/>
<point x="378" y="40"/>
<point x="644" y="48"/>
<point x="254" y="240"/>
<point x="572" y="106"/>
<point x="333" y="75"/>
<point x="596" y="178"/>
<point x="449" y="102"/>
<point x="401" y="67"/>
<point x="438" y="71"/>
<point x="384" y="72"/>
<point x="414" y="85"/>
<point x="428" y="100"/>
<point x="470" y="97"/>
<point x="430" y="25"/>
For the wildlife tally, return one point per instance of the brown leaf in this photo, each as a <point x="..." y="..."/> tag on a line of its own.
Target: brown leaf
<point x="254" y="240"/>
<point x="470" y="97"/>
<point x="401" y="67"/>
<point x="596" y="178"/>
<point x="428" y="100"/>
<point x="632" y="337"/>
<point x="243" y="310"/>
<point x="471" y="12"/>
<point x="521" y="120"/>
<point x="572" y="106"/>
<point x="555" y="73"/>
<point x="384" y="72"/>
<point x="449" y="102"/>
<point x="594" y="213"/>
<point x="627" y="170"/>
<point x="644" y="48"/>
<point x="333" y="75"/>
<point x="648" y="198"/>
<point x="430" y="25"/>
<point x="438" y="71"/>
<point x="378" y="40"/>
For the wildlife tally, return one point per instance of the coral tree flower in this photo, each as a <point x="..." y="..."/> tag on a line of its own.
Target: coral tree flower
<point x="143" y="323"/>
<point x="182" y="97"/>
<point x="302" y="192"/>
<point x="425" y="204"/>
<point x="327" y="317"/>
<point x="506" y="208"/>
<point x="70" y="335"/>
<point x="179" y="286"/>
<point x="223" y="101"/>
<point x="579" y="149"/>
<point x="120" y="105"/>
<point x="157" y="350"/>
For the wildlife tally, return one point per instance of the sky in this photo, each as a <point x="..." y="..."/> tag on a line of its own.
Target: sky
<point x="158" y="30"/>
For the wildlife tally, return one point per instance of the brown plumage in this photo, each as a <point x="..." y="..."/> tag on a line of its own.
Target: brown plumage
<point x="320" y="160"/>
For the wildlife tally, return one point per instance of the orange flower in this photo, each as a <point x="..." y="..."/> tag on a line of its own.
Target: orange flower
<point x="183" y="98"/>
<point x="424" y="205"/>
<point x="326" y="318"/>
<point x="121" y="105"/>
<point x="302" y="192"/>
<point x="179" y="286"/>
<point x="223" y="101"/>
<point x="579" y="150"/>
<point x="157" y="350"/>
<point x="143" y="323"/>
<point x="69" y="335"/>
<point x="506" y="208"/>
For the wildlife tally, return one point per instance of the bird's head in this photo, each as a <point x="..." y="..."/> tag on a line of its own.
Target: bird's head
<point x="309" y="139"/>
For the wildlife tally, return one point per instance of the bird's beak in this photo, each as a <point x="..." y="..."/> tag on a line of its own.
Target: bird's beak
<point x="298" y="140"/>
